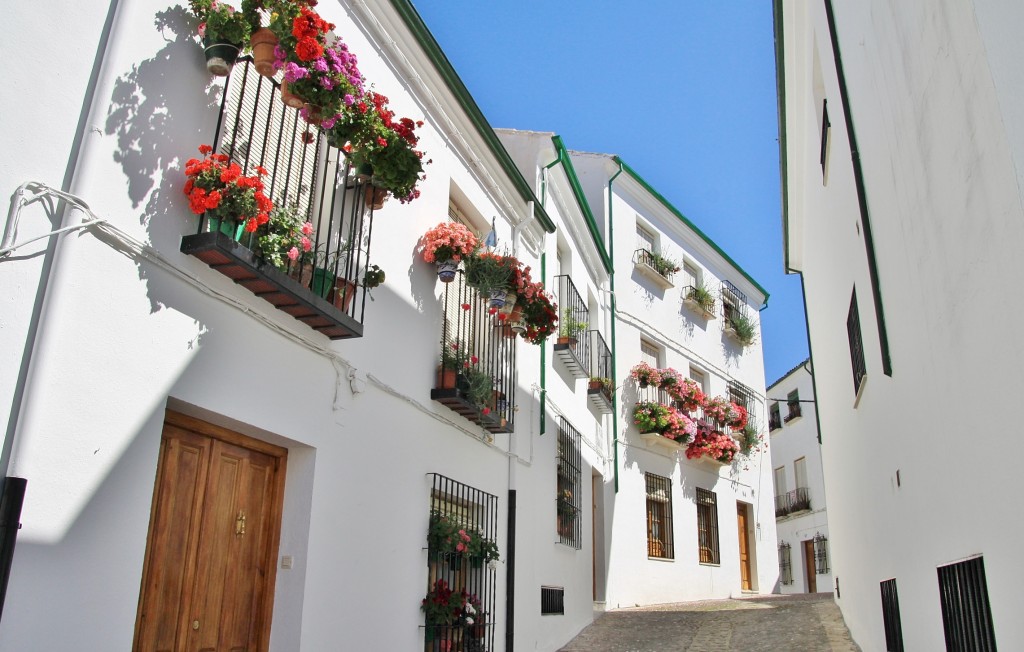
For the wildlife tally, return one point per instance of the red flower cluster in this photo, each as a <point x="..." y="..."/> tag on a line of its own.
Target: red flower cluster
<point x="541" y="315"/>
<point x="308" y="29"/>
<point x="218" y="187"/>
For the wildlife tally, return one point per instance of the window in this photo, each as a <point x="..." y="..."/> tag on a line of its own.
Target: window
<point x="645" y="240"/>
<point x="659" y="517"/>
<point x="774" y="417"/>
<point x="785" y="563"/>
<point x="691" y="275"/>
<point x="780" y="481"/>
<point x="800" y="472"/>
<point x="552" y="601"/>
<point x="741" y="396"/>
<point x="891" y="617"/>
<point x="733" y="301"/>
<point x="966" y="614"/>
<point x="649" y="353"/>
<point x="707" y="526"/>
<point x="792" y="405"/>
<point x="856" y="345"/>
<point x="699" y="377"/>
<point x="568" y="485"/>
<point x="820" y="554"/>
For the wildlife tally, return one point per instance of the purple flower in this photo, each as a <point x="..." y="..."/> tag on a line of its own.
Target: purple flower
<point x="294" y="72"/>
<point x="349" y="100"/>
<point x="327" y="82"/>
<point x="319" y="65"/>
<point x="329" y="122"/>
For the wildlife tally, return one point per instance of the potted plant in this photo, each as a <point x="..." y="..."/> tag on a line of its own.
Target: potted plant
<point x="645" y="375"/>
<point x="446" y="245"/>
<point x="603" y="384"/>
<point x="455" y="359"/>
<point x="443" y="610"/>
<point x="750" y="440"/>
<point x="539" y="315"/>
<point x="373" y="277"/>
<point x="663" y="264"/>
<point x="688" y="394"/>
<point x="231" y="201"/>
<point x="741" y="328"/>
<point x="712" y="444"/>
<point x="491" y="275"/>
<point x="717" y="409"/>
<point x="670" y="378"/>
<point x="479" y="388"/>
<point x="224" y="31"/>
<point x="571" y="328"/>
<point x="679" y="427"/>
<point x="650" y="416"/>
<point x="284" y="241"/>
<point x="701" y="298"/>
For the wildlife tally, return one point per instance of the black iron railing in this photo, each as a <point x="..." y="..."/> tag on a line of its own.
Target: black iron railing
<point x="477" y="372"/>
<point x="476" y="513"/>
<point x="785" y="563"/>
<point x="891" y="616"/>
<point x="706" y="303"/>
<point x="820" y="552"/>
<point x="734" y="302"/>
<point x="792" y="501"/>
<point x="856" y="344"/>
<point x="663" y="266"/>
<point x="569" y="501"/>
<point x="602" y="385"/>
<point x="792" y="412"/>
<point x="315" y="183"/>
<point x="660" y="537"/>
<point x="572" y="346"/>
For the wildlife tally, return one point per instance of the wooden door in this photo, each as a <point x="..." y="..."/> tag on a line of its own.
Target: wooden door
<point x="741" y="526"/>
<point x="810" y="570"/>
<point x="208" y="579"/>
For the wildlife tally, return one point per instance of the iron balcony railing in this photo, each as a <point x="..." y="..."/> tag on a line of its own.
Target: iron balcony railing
<point x="691" y="295"/>
<point x="477" y="374"/>
<point x="663" y="266"/>
<point x="326" y="287"/>
<point x="792" y="501"/>
<point x="572" y="346"/>
<point x="602" y="385"/>
<point x="734" y="302"/>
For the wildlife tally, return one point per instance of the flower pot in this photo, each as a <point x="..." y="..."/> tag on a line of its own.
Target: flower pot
<point x="595" y="384"/>
<point x="338" y="136"/>
<point x="446" y="270"/>
<point x="263" y="41"/>
<point x="290" y="99"/>
<point x="446" y="378"/>
<point x="339" y="292"/>
<point x="375" y="197"/>
<point x="230" y="228"/>
<point x="364" y="171"/>
<point x="571" y="341"/>
<point x="220" y="57"/>
<point x="498" y="298"/>
<point x="312" y="114"/>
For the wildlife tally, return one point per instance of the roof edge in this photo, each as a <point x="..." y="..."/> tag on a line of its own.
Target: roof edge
<point x="581" y="201"/>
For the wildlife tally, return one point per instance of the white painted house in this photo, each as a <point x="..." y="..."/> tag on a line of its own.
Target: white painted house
<point x="801" y="520"/>
<point x="214" y="450"/>
<point x="902" y="150"/>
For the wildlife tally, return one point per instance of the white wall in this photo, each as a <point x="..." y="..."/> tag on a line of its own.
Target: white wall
<point x="933" y="102"/>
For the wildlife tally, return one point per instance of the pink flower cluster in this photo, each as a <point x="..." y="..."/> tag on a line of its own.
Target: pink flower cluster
<point x="448" y="241"/>
<point x="645" y="374"/>
<point x="713" y="444"/>
<point x="680" y="426"/>
<point x="688" y="393"/>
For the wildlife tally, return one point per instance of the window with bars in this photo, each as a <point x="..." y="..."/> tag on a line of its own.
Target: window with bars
<point x="785" y="563"/>
<point x="891" y="617"/>
<point x="568" y="498"/>
<point x="966" y="613"/>
<point x="774" y="417"/>
<point x="820" y="554"/>
<point x="856" y="344"/>
<point x="659" y="517"/>
<point x="707" y="526"/>
<point x="792" y="405"/>
<point x="456" y="507"/>
<point x="742" y="396"/>
<point x="552" y="600"/>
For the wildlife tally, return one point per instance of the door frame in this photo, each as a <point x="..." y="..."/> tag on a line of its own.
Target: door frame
<point x="212" y="431"/>
<point x="743" y="511"/>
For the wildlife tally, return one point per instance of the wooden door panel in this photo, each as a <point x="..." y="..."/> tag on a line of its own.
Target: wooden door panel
<point x="810" y="571"/>
<point x="741" y="526"/>
<point x="178" y="496"/>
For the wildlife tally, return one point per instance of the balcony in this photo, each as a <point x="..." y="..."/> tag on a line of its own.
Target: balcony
<point x="793" y="412"/>
<point x="325" y="288"/>
<point x="477" y="375"/>
<point x="792" y="502"/>
<point x="602" y="386"/>
<point x="699" y="300"/>
<point x="655" y="267"/>
<point x="572" y="346"/>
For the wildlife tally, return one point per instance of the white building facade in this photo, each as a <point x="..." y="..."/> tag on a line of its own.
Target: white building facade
<point x="801" y="519"/>
<point x="179" y="411"/>
<point x="901" y="159"/>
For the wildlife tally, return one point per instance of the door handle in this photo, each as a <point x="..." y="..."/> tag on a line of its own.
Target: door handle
<point x="240" y="523"/>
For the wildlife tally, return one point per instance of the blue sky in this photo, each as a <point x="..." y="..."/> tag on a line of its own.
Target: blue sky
<point x="683" y="91"/>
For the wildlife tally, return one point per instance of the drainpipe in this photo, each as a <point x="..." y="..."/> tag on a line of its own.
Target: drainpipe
<point x="611" y="283"/>
<point x="543" y="277"/>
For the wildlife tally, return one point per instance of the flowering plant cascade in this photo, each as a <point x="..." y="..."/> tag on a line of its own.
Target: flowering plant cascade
<point x="645" y="375"/>
<point x="680" y="427"/>
<point x="717" y="409"/>
<point x="736" y="416"/>
<point x="669" y="378"/>
<point x="713" y="444"/>
<point x="448" y="241"/>
<point x="651" y="416"/>
<point x="217" y="187"/>
<point x="688" y="393"/>
<point x="445" y="607"/>
<point x="220" y="23"/>
<point x="540" y="313"/>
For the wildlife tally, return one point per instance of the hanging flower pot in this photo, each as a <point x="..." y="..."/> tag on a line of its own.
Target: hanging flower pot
<point x="497" y="298"/>
<point x="220" y="57"/>
<point x="364" y="171"/>
<point x="263" y="41"/>
<point x="375" y="197"/>
<point x="312" y="114"/>
<point x="289" y="99"/>
<point x="446" y="270"/>
<point x="515" y="319"/>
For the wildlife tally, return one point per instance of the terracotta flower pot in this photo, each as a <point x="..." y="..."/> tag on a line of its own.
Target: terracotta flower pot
<point x="263" y="41"/>
<point x="446" y="378"/>
<point x="289" y="99"/>
<point x="375" y="197"/>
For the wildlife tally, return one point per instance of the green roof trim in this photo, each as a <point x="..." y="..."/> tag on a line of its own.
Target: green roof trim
<point x="691" y="225"/>
<point x="429" y="44"/>
<point x="780" y="93"/>
<point x="581" y="201"/>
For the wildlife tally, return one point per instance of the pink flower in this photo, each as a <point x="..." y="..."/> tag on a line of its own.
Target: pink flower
<point x="307" y="244"/>
<point x="293" y="253"/>
<point x="307" y="228"/>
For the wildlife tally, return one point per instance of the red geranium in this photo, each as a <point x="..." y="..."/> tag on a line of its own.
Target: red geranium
<point x="219" y="188"/>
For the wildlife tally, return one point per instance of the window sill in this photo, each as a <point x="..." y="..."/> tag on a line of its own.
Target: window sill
<point x="670" y="559"/>
<point x="699" y="309"/>
<point x="712" y="564"/>
<point x="793" y="419"/>
<point x="646" y="270"/>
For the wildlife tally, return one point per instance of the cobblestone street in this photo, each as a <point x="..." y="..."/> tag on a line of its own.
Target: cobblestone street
<point x="795" y="623"/>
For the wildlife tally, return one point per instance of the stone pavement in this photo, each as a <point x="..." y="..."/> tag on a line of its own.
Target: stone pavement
<point x="764" y="623"/>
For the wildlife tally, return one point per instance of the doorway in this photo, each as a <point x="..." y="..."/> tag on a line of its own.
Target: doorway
<point x="746" y="583"/>
<point x="211" y="552"/>
<point x="810" y="570"/>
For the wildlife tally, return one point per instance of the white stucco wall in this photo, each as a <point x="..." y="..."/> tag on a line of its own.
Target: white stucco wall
<point x="934" y="103"/>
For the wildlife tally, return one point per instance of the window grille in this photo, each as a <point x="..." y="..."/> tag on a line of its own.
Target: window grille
<point x="474" y="512"/>
<point x="785" y="563"/>
<point x="734" y="302"/>
<point x="774" y="417"/>
<point x="552" y="600"/>
<point x="568" y="499"/>
<point x="966" y="614"/>
<point x="891" y="617"/>
<point x="820" y="553"/>
<point x="856" y="344"/>
<point x="659" y="517"/>
<point x="792" y="405"/>
<point x="741" y="395"/>
<point x="573" y="345"/>
<point x="707" y="526"/>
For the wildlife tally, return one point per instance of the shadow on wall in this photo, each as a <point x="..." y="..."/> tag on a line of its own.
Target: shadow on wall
<point x="160" y="112"/>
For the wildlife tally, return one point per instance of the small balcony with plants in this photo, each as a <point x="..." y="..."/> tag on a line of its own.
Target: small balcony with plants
<point x="793" y="503"/>
<point x="700" y="300"/>
<point x="601" y="387"/>
<point x="286" y="193"/>
<point x="573" y="347"/>
<point x="738" y="325"/>
<point x="656" y="267"/>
